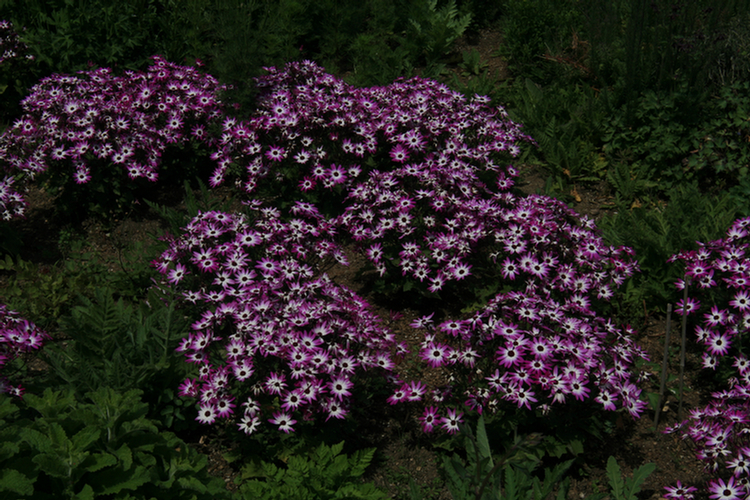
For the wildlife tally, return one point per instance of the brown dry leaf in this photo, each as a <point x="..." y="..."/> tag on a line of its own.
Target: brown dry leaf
<point x="636" y="204"/>
<point x="574" y="194"/>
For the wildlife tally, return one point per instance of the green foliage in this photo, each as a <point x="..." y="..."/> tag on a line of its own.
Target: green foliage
<point x="111" y="344"/>
<point x="58" y="447"/>
<point x="661" y="135"/>
<point x="433" y="30"/>
<point x="626" y="489"/>
<point x="204" y="201"/>
<point x="509" y="477"/>
<point x="43" y="293"/>
<point x="534" y="28"/>
<point x="566" y="122"/>
<point x="657" y="232"/>
<point x="472" y="63"/>
<point x="659" y="45"/>
<point x="70" y="35"/>
<point x="326" y="473"/>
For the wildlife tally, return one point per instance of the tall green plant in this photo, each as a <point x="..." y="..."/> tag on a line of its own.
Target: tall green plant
<point x="70" y="35"/>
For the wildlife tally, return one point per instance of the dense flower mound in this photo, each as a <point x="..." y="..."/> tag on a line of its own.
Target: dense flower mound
<point x="272" y="328"/>
<point x="540" y="341"/>
<point x="17" y="335"/>
<point x="407" y="163"/>
<point x="97" y="119"/>
<point x="417" y="176"/>
<point x="720" y="270"/>
<point x="11" y="46"/>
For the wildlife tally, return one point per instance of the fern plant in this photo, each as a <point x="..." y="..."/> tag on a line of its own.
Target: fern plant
<point x="103" y="447"/>
<point x="325" y="474"/>
<point x="657" y="232"/>
<point x="435" y="29"/>
<point x="112" y="344"/>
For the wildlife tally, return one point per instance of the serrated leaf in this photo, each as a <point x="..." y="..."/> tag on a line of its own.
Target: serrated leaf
<point x="52" y="465"/>
<point x="85" y="437"/>
<point x="633" y="485"/>
<point x="36" y="439"/>
<point x="114" y="480"/>
<point x="615" y="477"/>
<point x="97" y="461"/>
<point x="125" y="456"/>
<point x="15" y="481"/>
<point x="87" y="493"/>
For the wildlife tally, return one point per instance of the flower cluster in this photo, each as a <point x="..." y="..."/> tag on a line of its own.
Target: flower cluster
<point x="11" y="46"/>
<point x="72" y="122"/>
<point x="408" y="162"/>
<point x="544" y="343"/>
<point x="721" y="270"/>
<point x="417" y="179"/>
<point x="17" y="336"/>
<point x="272" y="329"/>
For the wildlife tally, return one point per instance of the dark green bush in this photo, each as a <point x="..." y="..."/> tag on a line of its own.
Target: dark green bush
<point x="104" y="447"/>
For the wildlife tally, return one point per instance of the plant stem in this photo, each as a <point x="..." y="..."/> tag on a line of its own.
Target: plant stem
<point x="664" y="364"/>
<point x="682" y="346"/>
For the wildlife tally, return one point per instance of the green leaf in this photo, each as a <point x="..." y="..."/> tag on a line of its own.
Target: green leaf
<point x="52" y="465"/>
<point x="615" y="478"/>
<point x="85" y="437"/>
<point x="15" y="481"/>
<point x="87" y="493"/>
<point x="633" y="485"/>
<point x="483" y="442"/>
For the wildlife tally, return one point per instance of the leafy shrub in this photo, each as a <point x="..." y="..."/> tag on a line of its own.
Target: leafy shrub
<point x="325" y="474"/>
<point x="15" y="66"/>
<point x="111" y="344"/>
<point x="45" y="294"/>
<point x="481" y="476"/>
<point x="533" y="28"/>
<point x="566" y="123"/>
<point x="58" y="447"/>
<point x="67" y="36"/>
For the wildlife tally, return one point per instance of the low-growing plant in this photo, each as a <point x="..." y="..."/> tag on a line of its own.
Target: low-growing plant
<point x="628" y="488"/>
<point x="55" y="446"/>
<point x="509" y="477"/>
<point x="106" y="343"/>
<point x="325" y="473"/>
<point x="45" y="293"/>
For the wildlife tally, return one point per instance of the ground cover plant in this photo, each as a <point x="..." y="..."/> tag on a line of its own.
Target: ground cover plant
<point x="518" y="308"/>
